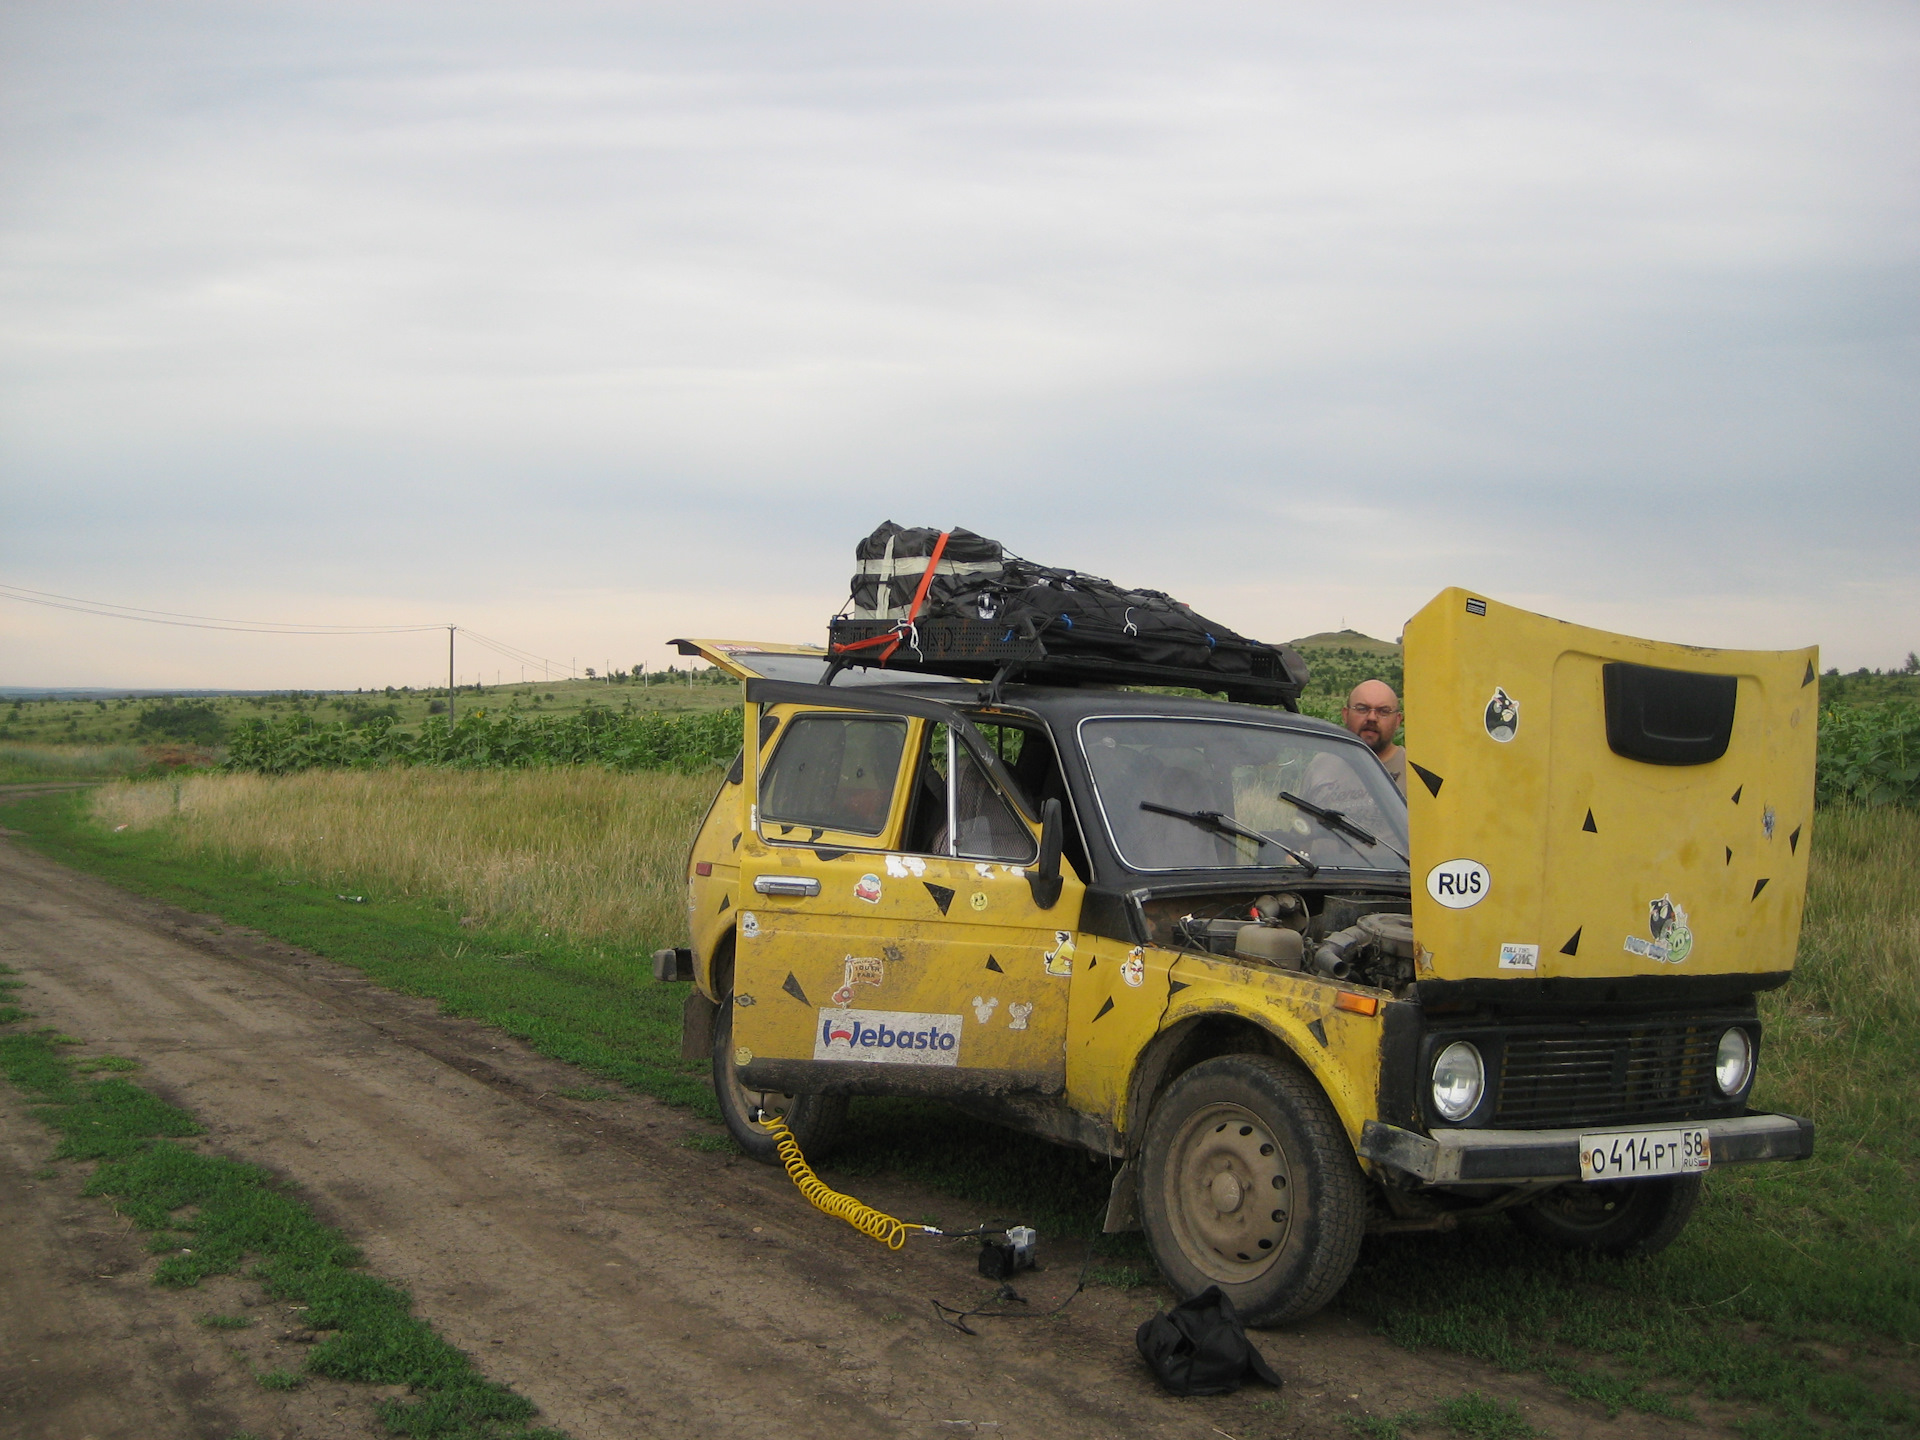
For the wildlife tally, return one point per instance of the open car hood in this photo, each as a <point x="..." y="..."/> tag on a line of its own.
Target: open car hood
<point x="1588" y="805"/>
<point x="803" y="664"/>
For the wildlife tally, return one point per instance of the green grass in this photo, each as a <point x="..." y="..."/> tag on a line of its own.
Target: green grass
<point x="225" y="1322"/>
<point x="208" y="1215"/>
<point x="1473" y="1416"/>
<point x="1796" y="1291"/>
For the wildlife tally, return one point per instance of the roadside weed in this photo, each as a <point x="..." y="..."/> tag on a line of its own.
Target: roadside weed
<point x="586" y="1093"/>
<point x="1472" y="1416"/>
<point x="711" y="1144"/>
<point x="208" y="1215"/>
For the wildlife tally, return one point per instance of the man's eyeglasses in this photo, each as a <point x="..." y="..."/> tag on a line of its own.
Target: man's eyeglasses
<point x="1381" y="710"/>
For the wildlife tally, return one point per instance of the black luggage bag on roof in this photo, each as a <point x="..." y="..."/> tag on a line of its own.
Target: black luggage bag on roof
<point x="956" y="603"/>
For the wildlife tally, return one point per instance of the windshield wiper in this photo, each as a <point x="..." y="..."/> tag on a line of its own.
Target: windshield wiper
<point x="1226" y="825"/>
<point x="1337" y="821"/>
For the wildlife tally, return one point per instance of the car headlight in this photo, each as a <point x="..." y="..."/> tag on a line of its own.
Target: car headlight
<point x="1733" y="1062"/>
<point x="1458" y="1078"/>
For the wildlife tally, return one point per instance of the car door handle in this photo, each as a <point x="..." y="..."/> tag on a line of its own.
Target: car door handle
<point x="786" y="885"/>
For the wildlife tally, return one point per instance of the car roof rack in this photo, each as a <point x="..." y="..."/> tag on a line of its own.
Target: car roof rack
<point x="965" y="649"/>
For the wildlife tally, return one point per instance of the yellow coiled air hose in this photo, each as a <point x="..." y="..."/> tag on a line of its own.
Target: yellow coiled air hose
<point x="868" y="1221"/>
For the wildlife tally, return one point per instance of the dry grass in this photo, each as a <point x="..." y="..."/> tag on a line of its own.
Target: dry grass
<point x="66" y="762"/>
<point x="581" y="853"/>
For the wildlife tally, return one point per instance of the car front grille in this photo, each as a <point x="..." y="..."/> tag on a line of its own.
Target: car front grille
<point x="1607" y="1076"/>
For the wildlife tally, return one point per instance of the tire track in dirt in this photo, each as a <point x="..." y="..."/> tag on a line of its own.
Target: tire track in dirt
<point x="625" y="1284"/>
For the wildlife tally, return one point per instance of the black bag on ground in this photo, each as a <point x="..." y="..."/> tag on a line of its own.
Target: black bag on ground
<point x="983" y="607"/>
<point x="1199" y="1348"/>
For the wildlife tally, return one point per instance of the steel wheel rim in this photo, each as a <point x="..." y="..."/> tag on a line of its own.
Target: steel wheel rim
<point x="1230" y="1193"/>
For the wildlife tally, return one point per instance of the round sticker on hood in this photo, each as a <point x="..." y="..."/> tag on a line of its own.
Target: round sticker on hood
<point x="1458" y="884"/>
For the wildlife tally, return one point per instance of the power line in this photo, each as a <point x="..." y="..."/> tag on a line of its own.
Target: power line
<point x="111" y="611"/>
<point x="194" y="622"/>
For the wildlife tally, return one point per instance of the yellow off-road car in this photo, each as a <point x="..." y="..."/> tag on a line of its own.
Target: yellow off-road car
<point x="1213" y="942"/>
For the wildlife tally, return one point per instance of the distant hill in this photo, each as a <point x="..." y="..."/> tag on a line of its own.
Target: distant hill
<point x="1346" y="640"/>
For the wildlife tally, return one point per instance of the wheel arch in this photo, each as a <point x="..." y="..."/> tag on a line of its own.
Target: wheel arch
<point x="1208" y="1033"/>
<point x="714" y="974"/>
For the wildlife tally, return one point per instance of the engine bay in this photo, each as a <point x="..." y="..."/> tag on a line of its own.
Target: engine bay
<point x="1364" y="938"/>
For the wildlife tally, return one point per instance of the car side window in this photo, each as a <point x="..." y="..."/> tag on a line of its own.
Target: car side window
<point x="835" y="772"/>
<point x="958" y="811"/>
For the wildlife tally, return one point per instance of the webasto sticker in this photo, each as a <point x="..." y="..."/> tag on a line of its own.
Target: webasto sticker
<point x="1459" y="884"/>
<point x="888" y="1037"/>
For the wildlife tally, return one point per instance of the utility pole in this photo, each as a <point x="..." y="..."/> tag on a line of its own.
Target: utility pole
<point x="450" y="630"/>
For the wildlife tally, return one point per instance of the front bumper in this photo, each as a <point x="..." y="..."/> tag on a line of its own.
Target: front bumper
<point x="1499" y="1157"/>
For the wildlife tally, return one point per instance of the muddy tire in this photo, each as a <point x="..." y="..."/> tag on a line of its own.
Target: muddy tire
<point x="815" y="1120"/>
<point x="1615" y="1217"/>
<point x="1248" y="1182"/>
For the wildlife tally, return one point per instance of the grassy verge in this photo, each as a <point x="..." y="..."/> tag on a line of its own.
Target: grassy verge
<point x="589" y="1004"/>
<point x="1795" y="1294"/>
<point x="25" y="763"/>
<point x="208" y="1215"/>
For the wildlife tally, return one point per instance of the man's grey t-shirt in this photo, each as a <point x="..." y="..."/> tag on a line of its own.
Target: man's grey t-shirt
<point x="1397" y="768"/>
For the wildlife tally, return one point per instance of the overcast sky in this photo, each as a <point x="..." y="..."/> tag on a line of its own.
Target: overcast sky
<point x="590" y="325"/>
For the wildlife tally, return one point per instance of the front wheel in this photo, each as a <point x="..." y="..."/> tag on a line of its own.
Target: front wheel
<point x="1248" y="1183"/>
<point x="814" y="1121"/>
<point x="1613" y="1217"/>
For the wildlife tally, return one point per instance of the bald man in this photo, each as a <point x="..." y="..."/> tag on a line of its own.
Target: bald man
<point x="1372" y="712"/>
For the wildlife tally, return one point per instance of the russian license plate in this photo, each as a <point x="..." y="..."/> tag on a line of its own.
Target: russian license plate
<point x="1638" y="1154"/>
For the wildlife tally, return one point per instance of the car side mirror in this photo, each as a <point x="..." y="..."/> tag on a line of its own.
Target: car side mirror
<point x="1044" y="878"/>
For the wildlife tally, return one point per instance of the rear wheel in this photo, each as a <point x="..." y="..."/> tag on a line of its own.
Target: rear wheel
<point x="1248" y="1183"/>
<point x="1613" y="1217"/>
<point x="814" y="1120"/>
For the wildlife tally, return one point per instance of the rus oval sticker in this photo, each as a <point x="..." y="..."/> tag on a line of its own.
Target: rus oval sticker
<point x="1458" y="884"/>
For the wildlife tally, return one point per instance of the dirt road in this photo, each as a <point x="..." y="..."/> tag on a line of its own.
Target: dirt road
<point x="626" y="1284"/>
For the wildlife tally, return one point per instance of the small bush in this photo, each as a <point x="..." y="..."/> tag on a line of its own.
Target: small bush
<point x="193" y="721"/>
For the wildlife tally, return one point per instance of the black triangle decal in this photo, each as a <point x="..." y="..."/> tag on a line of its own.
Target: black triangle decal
<point x="1174" y="987"/>
<point x="1590" y="827"/>
<point x="994" y="965"/>
<point x="1092" y="961"/>
<point x="724" y="903"/>
<point x="815" y="834"/>
<point x="1432" y="781"/>
<point x="828" y="855"/>
<point x="1729" y="854"/>
<point x="1758" y="886"/>
<point x="1104" y="1008"/>
<point x="942" y="896"/>
<point x="1793" y="841"/>
<point x="1809" y="677"/>
<point x="736" y="842"/>
<point x="792" y="987"/>
<point x="1319" y="1032"/>
<point x="1736" y="795"/>
<point x="1572" y="947"/>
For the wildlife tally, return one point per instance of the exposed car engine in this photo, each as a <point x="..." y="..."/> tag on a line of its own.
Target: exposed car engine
<point x="1368" y="940"/>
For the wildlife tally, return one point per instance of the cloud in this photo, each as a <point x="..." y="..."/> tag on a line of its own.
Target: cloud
<point x="579" y="318"/>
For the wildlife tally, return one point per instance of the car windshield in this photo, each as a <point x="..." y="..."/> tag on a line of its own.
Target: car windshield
<point x="1207" y="794"/>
